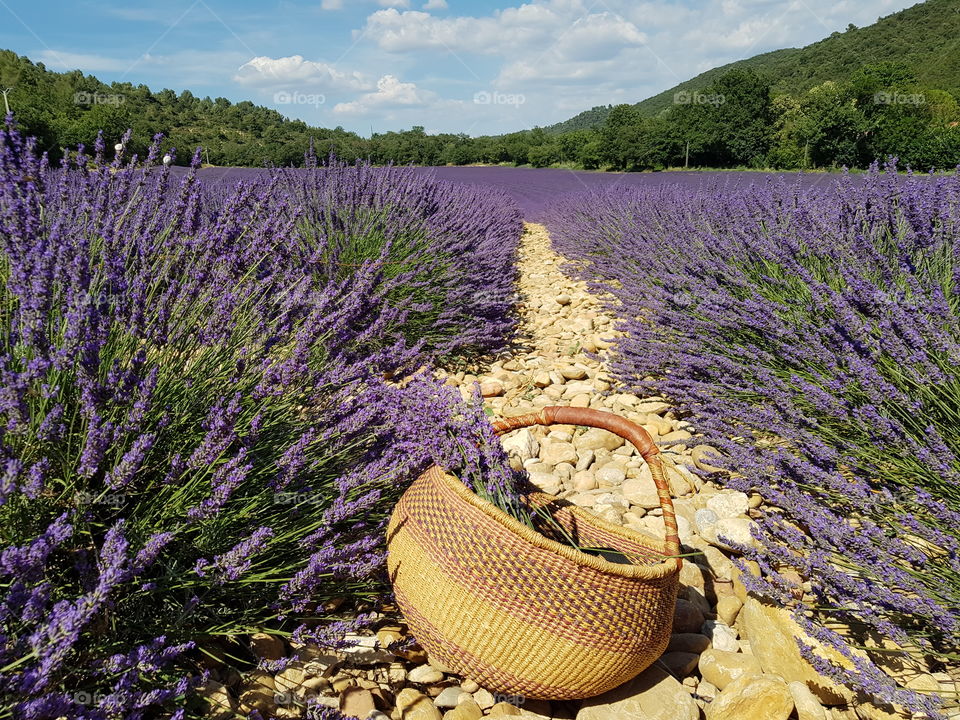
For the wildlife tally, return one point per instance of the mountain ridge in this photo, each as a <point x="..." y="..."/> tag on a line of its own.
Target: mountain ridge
<point x="924" y="37"/>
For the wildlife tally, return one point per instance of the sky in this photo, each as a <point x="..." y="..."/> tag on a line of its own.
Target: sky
<point x="482" y="67"/>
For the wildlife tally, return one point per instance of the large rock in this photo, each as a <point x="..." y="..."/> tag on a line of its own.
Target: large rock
<point x="652" y="695"/>
<point x="680" y="664"/>
<point x="728" y="608"/>
<point x="752" y="697"/>
<point x="773" y="636"/>
<point x="721" y="668"/>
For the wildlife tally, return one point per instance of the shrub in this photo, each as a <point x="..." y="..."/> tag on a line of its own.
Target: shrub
<point x="813" y="335"/>
<point x="196" y="440"/>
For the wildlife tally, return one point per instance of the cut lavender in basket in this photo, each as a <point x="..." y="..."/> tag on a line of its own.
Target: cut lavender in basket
<point x="813" y="335"/>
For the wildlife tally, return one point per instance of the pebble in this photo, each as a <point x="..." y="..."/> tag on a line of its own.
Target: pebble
<point x="357" y="702"/>
<point x="738" y="531"/>
<point x="760" y="697"/>
<point x="722" y="636"/>
<point x="554" y="453"/>
<point x="448" y="697"/>
<point x="491" y="389"/>
<point x="721" y="667"/>
<point x="688" y="643"/>
<point x="573" y="372"/>
<point x="687" y="617"/>
<point x="729" y="504"/>
<point x="485" y="699"/>
<point x="805" y="702"/>
<point x="424" y="675"/>
<point x="414" y="705"/>
<point x="267" y="647"/>
<point x="610" y="475"/>
<point x="641" y="493"/>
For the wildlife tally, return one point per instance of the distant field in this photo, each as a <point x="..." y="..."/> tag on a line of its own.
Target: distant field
<point x="534" y="189"/>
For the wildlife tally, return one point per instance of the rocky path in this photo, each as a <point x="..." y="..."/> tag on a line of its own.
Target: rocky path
<point x="730" y="657"/>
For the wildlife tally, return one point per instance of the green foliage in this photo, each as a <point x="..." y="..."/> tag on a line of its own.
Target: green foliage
<point x="890" y="89"/>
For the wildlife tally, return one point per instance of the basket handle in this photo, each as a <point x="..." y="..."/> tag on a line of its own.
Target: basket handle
<point x="630" y="431"/>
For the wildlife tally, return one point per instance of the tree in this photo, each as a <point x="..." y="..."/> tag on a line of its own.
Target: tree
<point x="740" y="106"/>
<point x="620" y="137"/>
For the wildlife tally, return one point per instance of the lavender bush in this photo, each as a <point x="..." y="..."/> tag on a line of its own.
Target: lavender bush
<point x="451" y="249"/>
<point x="813" y="336"/>
<point x="196" y="439"/>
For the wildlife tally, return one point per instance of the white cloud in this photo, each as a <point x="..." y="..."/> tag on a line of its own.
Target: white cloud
<point x="295" y="71"/>
<point x="435" y="5"/>
<point x="390" y="93"/>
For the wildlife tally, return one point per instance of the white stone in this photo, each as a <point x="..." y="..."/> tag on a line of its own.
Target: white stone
<point x="737" y="530"/>
<point x="554" y="453"/>
<point x="522" y="444"/>
<point x="424" y="674"/>
<point x="611" y="475"/>
<point x="722" y="636"/>
<point x="729" y="504"/>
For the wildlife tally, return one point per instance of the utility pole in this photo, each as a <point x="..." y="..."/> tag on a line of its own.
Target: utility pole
<point x="6" y="103"/>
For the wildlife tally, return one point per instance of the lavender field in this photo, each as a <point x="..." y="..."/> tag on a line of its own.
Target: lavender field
<point x="812" y="335"/>
<point x="217" y="383"/>
<point x="533" y="190"/>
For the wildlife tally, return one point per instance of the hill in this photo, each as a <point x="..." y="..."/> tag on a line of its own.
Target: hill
<point x="925" y="38"/>
<point x="64" y="109"/>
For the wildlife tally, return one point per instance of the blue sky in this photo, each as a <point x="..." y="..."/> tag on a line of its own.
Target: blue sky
<point x="453" y="66"/>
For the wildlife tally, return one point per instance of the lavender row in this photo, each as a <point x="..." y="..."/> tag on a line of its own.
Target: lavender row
<point x="812" y="335"/>
<point x="196" y="437"/>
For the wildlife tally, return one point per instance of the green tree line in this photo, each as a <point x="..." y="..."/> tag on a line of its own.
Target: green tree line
<point x="738" y="120"/>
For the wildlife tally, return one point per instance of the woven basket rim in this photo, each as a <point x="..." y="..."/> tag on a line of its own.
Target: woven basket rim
<point x="656" y="571"/>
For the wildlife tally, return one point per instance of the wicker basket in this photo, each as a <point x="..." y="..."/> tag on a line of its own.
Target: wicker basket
<point x="522" y="614"/>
